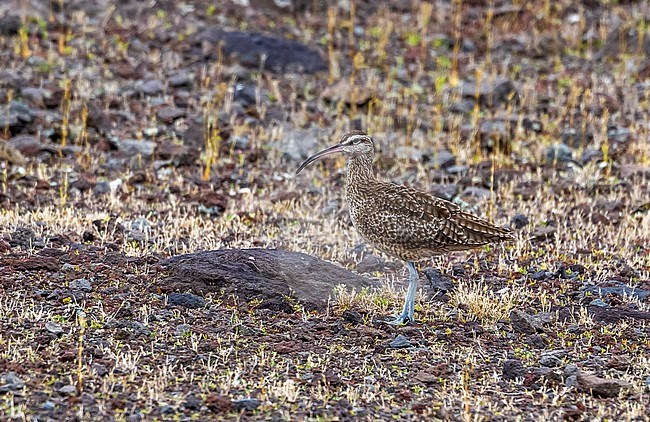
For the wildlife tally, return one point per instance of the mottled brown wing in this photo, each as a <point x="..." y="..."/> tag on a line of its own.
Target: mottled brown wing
<point x="418" y="205"/>
<point x="431" y="218"/>
<point x="437" y="223"/>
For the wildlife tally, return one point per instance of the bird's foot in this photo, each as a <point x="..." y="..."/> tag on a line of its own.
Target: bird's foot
<point x="400" y="320"/>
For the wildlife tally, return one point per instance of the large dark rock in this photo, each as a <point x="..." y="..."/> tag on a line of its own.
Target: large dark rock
<point x="602" y="387"/>
<point x="255" y="51"/>
<point x="266" y="274"/>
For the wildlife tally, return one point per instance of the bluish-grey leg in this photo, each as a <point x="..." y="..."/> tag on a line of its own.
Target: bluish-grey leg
<point x="409" y="302"/>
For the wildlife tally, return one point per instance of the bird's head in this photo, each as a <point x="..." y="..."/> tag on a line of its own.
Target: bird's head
<point x="352" y="144"/>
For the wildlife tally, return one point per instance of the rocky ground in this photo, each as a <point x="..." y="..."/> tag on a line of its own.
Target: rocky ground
<point x="159" y="260"/>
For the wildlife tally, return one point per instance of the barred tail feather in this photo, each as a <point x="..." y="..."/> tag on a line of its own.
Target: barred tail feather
<point x="479" y="231"/>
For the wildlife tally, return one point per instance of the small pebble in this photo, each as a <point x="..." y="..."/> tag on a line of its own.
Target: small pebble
<point x="187" y="300"/>
<point x="599" y="303"/>
<point x="560" y="153"/>
<point x="101" y="188"/>
<point x="54" y="328"/>
<point x="67" y="267"/>
<point x="167" y="409"/>
<point x="11" y="382"/>
<point x="400" y="342"/>
<point x="245" y="404"/>
<point x="571" y="369"/>
<point x="192" y="402"/>
<point x="552" y="359"/>
<point x="571" y="381"/>
<point x="68" y="390"/>
<point x="82" y="284"/>
<point x="48" y="405"/>
<point x="353" y="317"/>
<point x="240" y="142"/>
<point x="541" y="275"/>
<point x="183" y="329"/>
<point x="134" y="417"/>
<point x="519" y="221"/>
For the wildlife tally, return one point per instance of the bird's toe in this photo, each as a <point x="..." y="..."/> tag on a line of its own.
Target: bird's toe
<point x="399" y="320"/>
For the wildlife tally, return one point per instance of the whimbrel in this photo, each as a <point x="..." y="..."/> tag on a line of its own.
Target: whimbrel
<point x="401" y="221"/>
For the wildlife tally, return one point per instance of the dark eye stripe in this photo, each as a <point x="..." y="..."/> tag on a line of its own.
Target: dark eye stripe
<point x="355" y="139"/>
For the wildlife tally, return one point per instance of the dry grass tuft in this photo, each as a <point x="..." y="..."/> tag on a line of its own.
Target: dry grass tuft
<point x="478" y="301"/>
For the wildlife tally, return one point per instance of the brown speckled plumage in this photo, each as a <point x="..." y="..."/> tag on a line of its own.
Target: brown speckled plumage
<point x="402" y="221"/>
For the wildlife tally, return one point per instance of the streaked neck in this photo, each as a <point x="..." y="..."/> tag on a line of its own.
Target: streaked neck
<point x="360" y="169"/>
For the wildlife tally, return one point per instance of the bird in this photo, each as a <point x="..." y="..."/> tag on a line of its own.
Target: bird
<point x="401" y="221"/>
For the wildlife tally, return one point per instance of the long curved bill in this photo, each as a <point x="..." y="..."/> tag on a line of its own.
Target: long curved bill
<point x="328" y="151"/>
